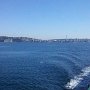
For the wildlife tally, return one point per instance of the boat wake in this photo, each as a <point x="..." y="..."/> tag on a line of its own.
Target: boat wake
<point x="77" y="79"/>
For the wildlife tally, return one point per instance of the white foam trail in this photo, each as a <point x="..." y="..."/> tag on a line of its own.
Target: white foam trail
<point x="77" y="79"/>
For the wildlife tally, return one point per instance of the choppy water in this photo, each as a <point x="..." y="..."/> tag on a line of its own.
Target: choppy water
<point x="44" y="66"/>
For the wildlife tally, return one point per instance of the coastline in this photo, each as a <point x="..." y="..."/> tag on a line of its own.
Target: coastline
<point x="27" y="39"/>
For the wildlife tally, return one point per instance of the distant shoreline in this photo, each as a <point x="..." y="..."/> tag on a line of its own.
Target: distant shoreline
<point x="27" y="39"/>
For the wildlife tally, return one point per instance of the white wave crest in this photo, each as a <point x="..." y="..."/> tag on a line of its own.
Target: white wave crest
<point x="77" y="79"/>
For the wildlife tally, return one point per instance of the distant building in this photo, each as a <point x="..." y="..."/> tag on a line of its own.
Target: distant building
<point x="8" y="40"/>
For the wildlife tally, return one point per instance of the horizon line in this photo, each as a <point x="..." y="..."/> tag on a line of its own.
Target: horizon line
<point x="40" y="38"/>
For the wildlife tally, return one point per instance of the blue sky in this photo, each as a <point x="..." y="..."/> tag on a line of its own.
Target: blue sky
<point x="45" y="19"/>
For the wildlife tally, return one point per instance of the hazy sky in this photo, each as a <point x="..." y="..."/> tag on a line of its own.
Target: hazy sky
<point x="45" y="19"/>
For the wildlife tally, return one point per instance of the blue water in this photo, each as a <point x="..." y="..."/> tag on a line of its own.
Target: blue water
<point x="44" y="66"/>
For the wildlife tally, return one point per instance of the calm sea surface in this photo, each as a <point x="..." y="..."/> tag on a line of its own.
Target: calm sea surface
<point x="44" y="66"/>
